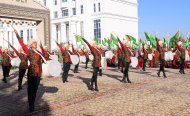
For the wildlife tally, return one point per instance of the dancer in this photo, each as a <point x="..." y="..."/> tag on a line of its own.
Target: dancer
<point x="162" y="51"/>
<point x="34" y="69"/>
<point x="145" y="56"/>
<point x="96" y="64"/>
<point x="127" y="60"/>
<point x="6" y="63"/>
<point x="23" y="65"/>
<point x="66" y="60"/>
<point x="182" y="56"/>
<point x="45" y="52"/>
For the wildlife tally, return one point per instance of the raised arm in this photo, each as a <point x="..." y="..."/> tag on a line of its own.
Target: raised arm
<point x="73" y="50"/>
<point x="91" y="48"/>
<point x="143" y="48"/>
<point x="24" y="47"/>
<point x="42" y="49"/>
<point x="60" y="47"/>
<point x="121" y="44"/>
<point x="11" y="55"/>
<point x="157" y="44"/>
<point x="17" y="53"/>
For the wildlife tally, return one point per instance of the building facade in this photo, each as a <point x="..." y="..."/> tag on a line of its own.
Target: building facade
<point x="28" y="17"/>
<point x="91" y="18"/>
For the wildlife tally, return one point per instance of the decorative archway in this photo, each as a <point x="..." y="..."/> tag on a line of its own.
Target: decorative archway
<point x="29" y="10"/>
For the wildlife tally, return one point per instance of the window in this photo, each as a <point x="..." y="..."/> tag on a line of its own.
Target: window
<point x="97" y="29"/>
<point x="55" y="2"/>
<point x="21" y="34"/>
<point x="94" y="7"/>
<point x="31" y="33"/>
<point x="82" y="28"/>
<point x="81" y="9"/>
<point x="44" y="2"/>
<point x="74" y="11"/>
<point x="99" y="8"/>
<point x="55" y="14"/>
<point x="64" y="0"/>
<point x="28" y="35"/>
<point x="65" y="12"/>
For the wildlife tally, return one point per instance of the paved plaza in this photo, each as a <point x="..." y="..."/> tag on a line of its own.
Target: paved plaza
<point x="148" y="95"/>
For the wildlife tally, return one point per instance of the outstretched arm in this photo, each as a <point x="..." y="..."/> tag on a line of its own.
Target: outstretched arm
<point x="24" y="47"/>
<point x="42" y="49"/>
<point x="17" y="53"/>
<point x="73" y="50"/>
<point x="91" y="48"/>
<point x="143" y="48"/>
<point x="121" y="44"/>
<point x="60" y="47"/>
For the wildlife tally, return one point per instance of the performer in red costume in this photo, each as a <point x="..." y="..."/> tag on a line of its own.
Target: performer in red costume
<point x="23" y="65"/>
<point x="96" y="64"/>
<point x="6" y="63"/>
<point x="34" y="69"/>
<point x="127" y="60"/>
<point x="66" y="60"/>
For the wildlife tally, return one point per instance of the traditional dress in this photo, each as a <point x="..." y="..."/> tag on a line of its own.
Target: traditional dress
<point x="6" y="64"/>
<point x="119" y="57"/>
<point x="22" y="67"/>
<point x="127" y="60"/>
<point x="182" y="58"/>
<point x="34" y="72"/>
<point x="96" y="65"/>
<point x="162" y="51"/>
<point x="145" y="57"/>
<point x="86" y="54"/>
<point x="66" y="62"/>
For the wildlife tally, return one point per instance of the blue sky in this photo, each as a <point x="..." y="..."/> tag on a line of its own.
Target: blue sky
<point x="164" y="17"/>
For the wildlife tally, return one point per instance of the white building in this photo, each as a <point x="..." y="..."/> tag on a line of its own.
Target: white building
<point x="91" y="18"/>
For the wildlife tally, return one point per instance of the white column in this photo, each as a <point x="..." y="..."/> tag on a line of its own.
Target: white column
<point x="73" y="30"/>
<point x="63" y="32"/>
<point x="53" y="34"/>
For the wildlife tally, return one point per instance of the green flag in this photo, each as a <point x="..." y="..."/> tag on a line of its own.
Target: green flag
<point x="79" y="39"/>
<point x="150" y="38"/>
<point x="104" y="42"/>
<point x="114" y="39"/>
<point x="96" y="40"/>
<point x="134" y="40"/>
<point x="173" y="39"/>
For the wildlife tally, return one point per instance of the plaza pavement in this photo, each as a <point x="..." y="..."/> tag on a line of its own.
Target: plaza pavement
<point x="148" y="95"/>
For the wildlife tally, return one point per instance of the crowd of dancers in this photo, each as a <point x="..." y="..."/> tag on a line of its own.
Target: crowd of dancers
<point x="32" y="60"/>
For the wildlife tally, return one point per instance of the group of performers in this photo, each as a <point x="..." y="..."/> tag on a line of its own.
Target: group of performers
<point x="32" y="60"/>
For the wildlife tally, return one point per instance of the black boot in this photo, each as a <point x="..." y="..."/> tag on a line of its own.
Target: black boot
<point x="19" y="88"/>
<point x="165" y="75"/>
<point x="4" y="80"/>
<point x="128" y="80"/>
<point x="180" y="71"/>
<point x="91" y="87"/>
<point x="124" y="79"/>
<point x="158" y="74"/>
